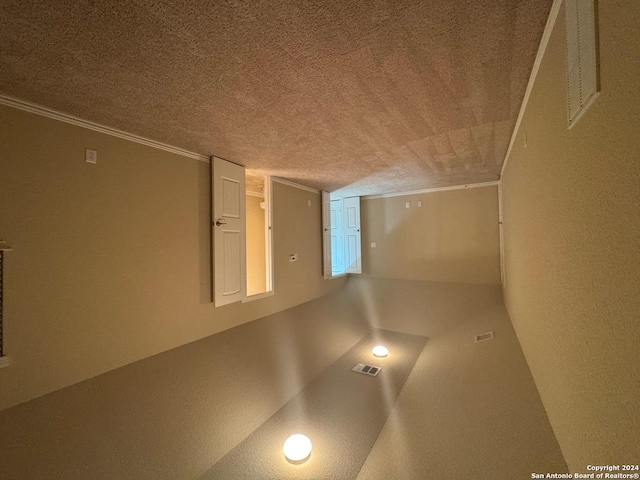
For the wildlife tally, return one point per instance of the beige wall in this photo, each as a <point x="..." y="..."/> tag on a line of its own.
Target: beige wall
<point x="572" y="239"/>
<point x="452" y="237"/>
<point x="111" y="262"/>
<point x="256" y="254"/>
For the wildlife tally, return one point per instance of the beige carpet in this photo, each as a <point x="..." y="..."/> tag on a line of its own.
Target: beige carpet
<point x="376" y="96"/>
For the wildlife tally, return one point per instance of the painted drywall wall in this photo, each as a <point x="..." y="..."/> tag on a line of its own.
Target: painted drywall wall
<point x="452" y="237"/>
<point x="256" y="254"/>
<point x="572" y="240"/>
<point x="111" y="262"/>
<point x="176" y="414"/>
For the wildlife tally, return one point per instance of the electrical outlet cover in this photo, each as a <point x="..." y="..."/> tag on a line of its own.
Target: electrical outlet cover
<point x="90" y="156"/>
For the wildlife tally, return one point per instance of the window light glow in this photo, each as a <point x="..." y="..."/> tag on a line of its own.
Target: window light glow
<point x="297" y="448"/>
<point x="380" y="351"/>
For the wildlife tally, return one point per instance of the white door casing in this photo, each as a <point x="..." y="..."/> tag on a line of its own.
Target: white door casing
<point x="353" y="247"/>
<point x="326" y="235"/>
<point x="229" y="232"/>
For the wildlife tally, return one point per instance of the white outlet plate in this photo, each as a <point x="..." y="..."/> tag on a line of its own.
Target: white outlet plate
<point x="91" y="156"/>
<point x="308" y="203"/>
<point x="407" y="204"/>
<point x="419" y="203"/>
<point x="374" y="244"/>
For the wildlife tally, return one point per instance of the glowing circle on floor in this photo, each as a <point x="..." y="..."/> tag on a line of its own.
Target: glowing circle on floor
<point x="297" y="448"/>
<point x="380" y="351"/>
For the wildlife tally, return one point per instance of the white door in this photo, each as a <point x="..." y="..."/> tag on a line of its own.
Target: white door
<point x="326" y="235"/>
<point x="229" y="232"/>
<point x="353" y="250"/>
<point x="337" y="238"/>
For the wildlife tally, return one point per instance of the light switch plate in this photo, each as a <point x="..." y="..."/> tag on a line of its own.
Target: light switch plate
<point x="308" y="203"/>
<point x="419" y="203"/>
<point x="374" y="244"/>
<point x="407" y="204"/>
<point x="91" y="156"/>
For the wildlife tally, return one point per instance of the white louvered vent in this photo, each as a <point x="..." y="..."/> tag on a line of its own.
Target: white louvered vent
<point x="367" y="369"/>
<point x="483" y="337"/>
<point x="582" y="57"/>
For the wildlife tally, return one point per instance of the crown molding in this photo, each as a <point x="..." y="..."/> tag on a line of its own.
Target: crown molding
<point x="63" y="117"/>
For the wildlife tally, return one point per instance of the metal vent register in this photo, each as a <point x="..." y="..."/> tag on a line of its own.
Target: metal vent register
<point x="1" y="261"/>
<point x="484" y="337"/>
<point x="367" y="369"/>
<point x="3" y="248"/>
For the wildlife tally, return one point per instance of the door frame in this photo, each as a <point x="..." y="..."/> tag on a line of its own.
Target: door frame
<point x="268" y="243"/>
<point x="229" y="224"/>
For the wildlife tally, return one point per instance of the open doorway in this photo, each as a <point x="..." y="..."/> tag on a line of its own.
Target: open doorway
<point x="258" y="206"/>
<point x="342" y="251"/>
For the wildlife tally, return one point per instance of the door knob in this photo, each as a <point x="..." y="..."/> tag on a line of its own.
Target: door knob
<point x="220" y="221"/>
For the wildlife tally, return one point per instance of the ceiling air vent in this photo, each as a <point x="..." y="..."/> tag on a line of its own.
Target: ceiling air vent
<point x="484" y="336"/>
<point x="367" y="369"/>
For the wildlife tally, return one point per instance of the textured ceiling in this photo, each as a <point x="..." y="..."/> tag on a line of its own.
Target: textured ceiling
<point x="361" y="96"/>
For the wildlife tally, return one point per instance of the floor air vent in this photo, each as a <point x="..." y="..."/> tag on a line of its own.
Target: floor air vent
<point x="484" y="336"/>
<point x="367" y="369"/>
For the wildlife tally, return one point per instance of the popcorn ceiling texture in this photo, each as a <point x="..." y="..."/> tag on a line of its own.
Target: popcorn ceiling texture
<point x="358" y="96"/>
<point x="174" y="415"/>
<point x="465" y="407"/>
<point x="341" y="411"/>
<point x="468" y="410"/>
